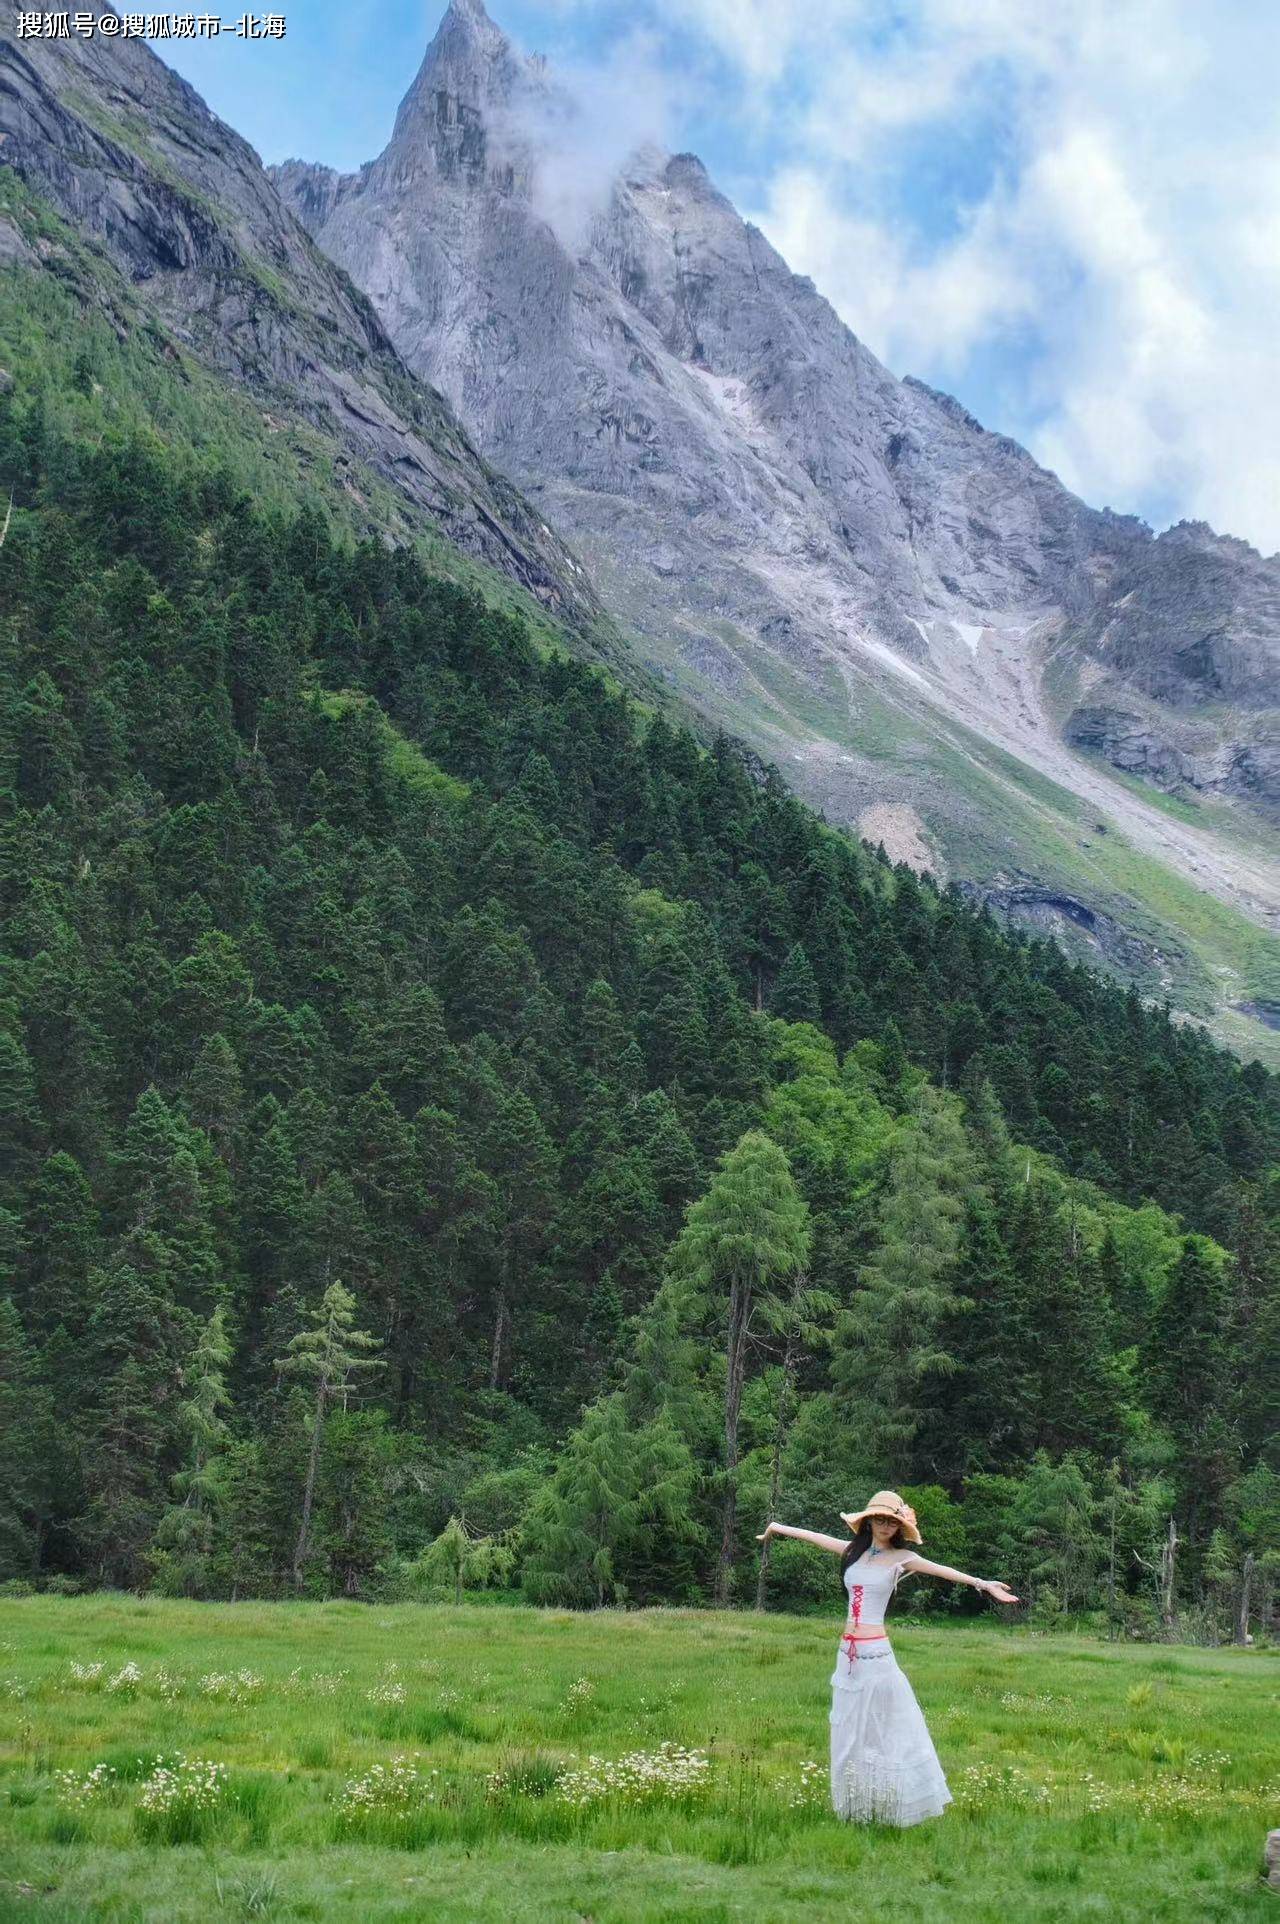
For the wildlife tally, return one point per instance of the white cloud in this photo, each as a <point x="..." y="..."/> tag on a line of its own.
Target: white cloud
<point x="587" y="124"/>
<point x="1126" y="249"/>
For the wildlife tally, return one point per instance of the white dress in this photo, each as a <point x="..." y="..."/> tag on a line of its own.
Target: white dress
<point x="884" y="1768"/>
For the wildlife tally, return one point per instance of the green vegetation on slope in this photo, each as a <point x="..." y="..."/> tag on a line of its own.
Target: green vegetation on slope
<point x="386" y="993"/>
<point x="995" y="818"/>
<point x="77" y="334"/>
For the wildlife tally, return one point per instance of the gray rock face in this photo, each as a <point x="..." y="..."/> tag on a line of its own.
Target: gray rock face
<point x="1176" y="754"/>
<point x="130" y="155"/>
<point x="1191" y="617"/>
<point x="747" y="482"/>
<point x="1039" y="910"/>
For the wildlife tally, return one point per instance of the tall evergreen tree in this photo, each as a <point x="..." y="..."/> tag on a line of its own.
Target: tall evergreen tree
<point x="795" y="993"/>
<point x="1189" y="1377"/>
<point x="742" y="1242"/>
<point x="890" y="1349"/>
<point x="184" y="1536"/>
<point x="329" y="1355"/>
<point x="615" y="1496"/>
<point x="26" y="1449"/>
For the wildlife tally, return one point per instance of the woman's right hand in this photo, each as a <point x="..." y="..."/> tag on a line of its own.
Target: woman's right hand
<point x="762" y="1536"/>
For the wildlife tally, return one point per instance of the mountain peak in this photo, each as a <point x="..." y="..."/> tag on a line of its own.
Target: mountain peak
<point x="466" y="23"/>
<point x="469" y="66"/>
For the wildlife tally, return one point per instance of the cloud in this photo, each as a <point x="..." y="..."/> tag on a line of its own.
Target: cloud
<point x="1071" y="215"/>
<point x="580" y="127"/>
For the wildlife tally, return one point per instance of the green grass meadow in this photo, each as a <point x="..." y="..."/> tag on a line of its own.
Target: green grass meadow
<point x="1092" y="1780"/>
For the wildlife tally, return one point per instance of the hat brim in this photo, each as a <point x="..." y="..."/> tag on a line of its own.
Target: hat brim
<point x="858" y="1517"/>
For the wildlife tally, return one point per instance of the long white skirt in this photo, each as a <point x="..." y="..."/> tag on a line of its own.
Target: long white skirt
<point x="884" y="1768"/>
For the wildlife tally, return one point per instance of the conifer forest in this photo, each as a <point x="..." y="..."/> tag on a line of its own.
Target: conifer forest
<point x="464" y="1131"/>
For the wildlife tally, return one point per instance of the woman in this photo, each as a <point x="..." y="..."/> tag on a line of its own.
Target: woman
<point x="883" y="1763"/>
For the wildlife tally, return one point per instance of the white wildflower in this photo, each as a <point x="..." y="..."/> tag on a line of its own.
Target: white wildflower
<point x="387" y="1692"/>
<point x="395" y="1790"/>
<point x="812" y="1788"/>
<point x="230" y="1686"/>
<point x="77" y="1791"/>
<point x="641" y="1777"/>
<point x="186" y="1784"/>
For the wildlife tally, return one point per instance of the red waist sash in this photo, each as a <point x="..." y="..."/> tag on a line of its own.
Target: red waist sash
<point x="852" y="1642"/>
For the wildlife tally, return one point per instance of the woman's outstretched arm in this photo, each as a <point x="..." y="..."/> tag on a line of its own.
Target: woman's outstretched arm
<point x="838" y="1544"/>
<point x="992" y="1587"/>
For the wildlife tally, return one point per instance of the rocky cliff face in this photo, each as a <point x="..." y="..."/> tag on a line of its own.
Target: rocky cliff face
<point x="727" y="449"/>
<point x="130" y="155"/>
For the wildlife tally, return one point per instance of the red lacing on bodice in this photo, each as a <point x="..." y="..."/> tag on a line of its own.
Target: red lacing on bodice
<point x="855" y="1612"/>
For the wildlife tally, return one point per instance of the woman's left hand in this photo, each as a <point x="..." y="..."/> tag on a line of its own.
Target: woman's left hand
<point x="1000" y="1591"/>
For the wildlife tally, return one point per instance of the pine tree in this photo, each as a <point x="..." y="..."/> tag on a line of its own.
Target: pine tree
<point x="26" y="1439"/>
<point x="184" y="1537"/>
<point x="353" y="1499"/>
<point x="889" y="1346"/>
<point x="1188" y="1376"/>
<point x="329" y="1355"/>
<point x="795" y="993"/>
<point x="520" y="1161"/>
<point x="1078" y="1403"/>
<point x="604" y="1033"/>
<point x="459" y="1559"/>
<point x="135" y="1346"/>
<point x="615" y="1494"/>
<point x="64" y="1245"/>
<point x="742" y="1242"/>
<point x="162" y="1188"/>
<point x="215" y="1096"/>
<point x="984" y="1415"/>
<point x="1254" y="1326"/>
<point x="1055" y="1516"/>
<point x="800" y="1323"/>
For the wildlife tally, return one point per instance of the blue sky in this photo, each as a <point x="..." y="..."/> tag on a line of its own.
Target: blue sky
<point x="1068" y="216"/>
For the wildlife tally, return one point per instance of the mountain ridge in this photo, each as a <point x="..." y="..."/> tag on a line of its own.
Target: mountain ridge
<point x="761" y="501"/>
<point x="129" y="153"/>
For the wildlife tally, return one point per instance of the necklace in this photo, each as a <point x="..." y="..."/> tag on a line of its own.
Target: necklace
<point x="873" y="1552"/>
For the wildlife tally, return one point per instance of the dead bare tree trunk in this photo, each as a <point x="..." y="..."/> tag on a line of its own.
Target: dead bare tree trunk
<point x="1246" y="1585"/>
<point x="1111" y="1573"/>
<point x="1168" y="1575"/>
<point x="775" y="1468"/>
<point x="1165" y="1573"/>
<point x="309" y="1490"/>
<point x="736" y="1363"/>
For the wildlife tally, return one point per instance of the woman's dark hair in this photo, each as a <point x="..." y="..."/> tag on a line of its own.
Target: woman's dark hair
<point x="862" y="1541"/>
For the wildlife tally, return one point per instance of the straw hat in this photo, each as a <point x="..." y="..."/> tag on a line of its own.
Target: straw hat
<point x="887" y="1503"/>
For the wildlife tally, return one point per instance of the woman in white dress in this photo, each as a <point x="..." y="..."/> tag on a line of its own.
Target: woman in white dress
<point x="884" y="1767"/>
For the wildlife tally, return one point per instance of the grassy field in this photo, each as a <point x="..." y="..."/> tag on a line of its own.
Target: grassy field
<point x="1092" y="1781"/>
